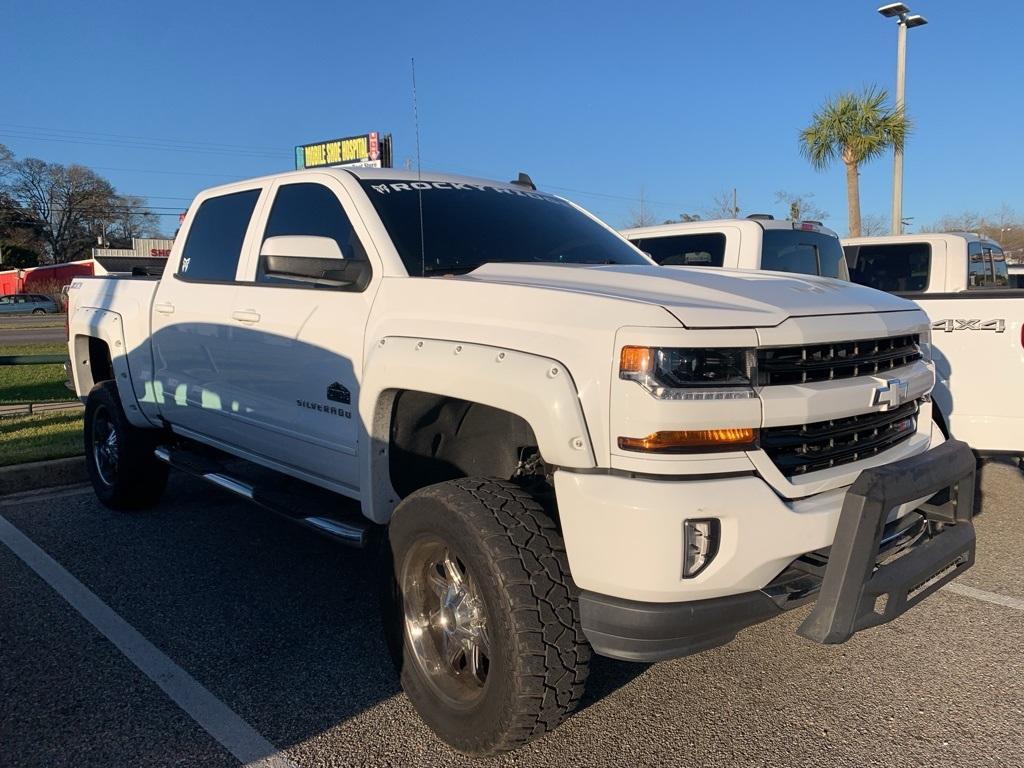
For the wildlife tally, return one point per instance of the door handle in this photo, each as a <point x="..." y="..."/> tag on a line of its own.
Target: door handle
<point x="246" y="316"/>
<point x="165" y="309"/>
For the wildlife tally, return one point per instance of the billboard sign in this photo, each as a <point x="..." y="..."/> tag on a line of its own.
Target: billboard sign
<point x="362" y="151"/>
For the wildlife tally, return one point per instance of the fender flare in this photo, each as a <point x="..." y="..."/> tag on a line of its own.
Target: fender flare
<point x="538" y="389"/>
<point x="107" y="326"/>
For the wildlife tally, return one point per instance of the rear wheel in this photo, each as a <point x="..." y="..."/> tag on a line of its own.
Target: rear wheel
<point x="481" y="615"/>
<point x="38" y="311"/>
<point x="124" y="472"/>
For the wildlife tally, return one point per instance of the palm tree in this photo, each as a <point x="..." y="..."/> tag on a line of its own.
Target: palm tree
<point x="853" y="128"/>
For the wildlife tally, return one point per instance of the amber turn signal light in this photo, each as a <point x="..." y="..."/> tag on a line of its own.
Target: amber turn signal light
<point x="693" y="440"/>
<point x="635" y="360"/>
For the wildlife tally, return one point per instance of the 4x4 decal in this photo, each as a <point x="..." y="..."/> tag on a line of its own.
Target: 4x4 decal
<point x="948" y="326"/>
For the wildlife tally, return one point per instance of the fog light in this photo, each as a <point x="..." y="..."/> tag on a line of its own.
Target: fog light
<point x="700" y="545"/>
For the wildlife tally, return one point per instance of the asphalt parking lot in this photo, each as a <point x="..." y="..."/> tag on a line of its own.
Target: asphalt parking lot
<point x="280" y="628"/>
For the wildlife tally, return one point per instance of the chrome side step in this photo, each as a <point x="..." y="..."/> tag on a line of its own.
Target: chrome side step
<point x="353" y="532"/>
<point x="229" y="484"/>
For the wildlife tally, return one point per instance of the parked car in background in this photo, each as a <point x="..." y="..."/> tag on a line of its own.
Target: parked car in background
<point x="756" y="242"/>
<point x="962" y="281"/>
<point x="27" y="304"/>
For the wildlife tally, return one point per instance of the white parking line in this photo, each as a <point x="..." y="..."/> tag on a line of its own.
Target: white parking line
<point x="985" y="595"/>
<point x="212" y="714"/>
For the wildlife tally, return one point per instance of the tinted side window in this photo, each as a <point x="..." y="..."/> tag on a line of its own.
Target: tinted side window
<point x="979" y="266"/>
<point x="1001" y="274"/>
<point x="896" y="268"/>
<point x="216" y="235"/>
<point x="707" y="250"/>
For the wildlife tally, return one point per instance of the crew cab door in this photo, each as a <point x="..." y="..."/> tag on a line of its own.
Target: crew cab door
<point x="298" y="343"/>
<point x="191" y="321"/>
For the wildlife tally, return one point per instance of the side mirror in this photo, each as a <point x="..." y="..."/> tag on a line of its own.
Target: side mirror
<point x="316" y="260"/>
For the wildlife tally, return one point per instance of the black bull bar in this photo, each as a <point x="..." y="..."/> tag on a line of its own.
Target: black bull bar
<point x="858" y="591"/>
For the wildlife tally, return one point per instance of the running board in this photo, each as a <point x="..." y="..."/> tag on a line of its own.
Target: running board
<point x="352" y="531"/>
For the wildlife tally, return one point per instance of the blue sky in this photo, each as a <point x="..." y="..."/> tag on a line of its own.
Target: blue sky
<point x="595" y="100"/>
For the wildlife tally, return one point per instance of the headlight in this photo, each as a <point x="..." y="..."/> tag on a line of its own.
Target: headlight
<point x="674" y="373"/>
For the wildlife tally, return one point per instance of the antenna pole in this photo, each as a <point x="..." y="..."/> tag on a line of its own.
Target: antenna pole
<point x="416" y="118"/>
<point x="419" y="171"/>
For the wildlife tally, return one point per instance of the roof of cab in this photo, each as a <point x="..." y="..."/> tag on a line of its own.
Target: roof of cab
<point x="917" y="237"/>
<point x="711" y="225"/>
<point x="368" y="174"/>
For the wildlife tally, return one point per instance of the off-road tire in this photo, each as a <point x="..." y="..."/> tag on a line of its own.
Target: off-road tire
<point x="515" y="553"/>
<point x="140" y="477"/>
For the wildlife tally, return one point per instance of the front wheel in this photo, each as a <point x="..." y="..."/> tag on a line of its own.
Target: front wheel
<point x="482" y="615"/>
<point x="38" y="311"/>
<point x="119" y="456"/>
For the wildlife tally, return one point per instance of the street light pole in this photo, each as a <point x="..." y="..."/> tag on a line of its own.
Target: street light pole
<point x="897" y="155"/>
<point x="906" y="21"/>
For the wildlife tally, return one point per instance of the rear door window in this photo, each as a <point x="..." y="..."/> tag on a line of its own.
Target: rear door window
<point x="979" y="267"/>
<point x="704" y="250"/>
<point x="215" y="238"/>
<point x="1000" y="273"/>
<point x="803" y="252"/>
<point x="895" y="268"/>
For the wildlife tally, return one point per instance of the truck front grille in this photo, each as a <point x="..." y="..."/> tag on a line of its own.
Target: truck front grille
<point x="841" y="360"/>
<point x="823" y="444"/>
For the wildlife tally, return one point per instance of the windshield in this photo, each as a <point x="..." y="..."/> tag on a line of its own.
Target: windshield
<point x="466" y="225"/>
<point x="803" y="252"/>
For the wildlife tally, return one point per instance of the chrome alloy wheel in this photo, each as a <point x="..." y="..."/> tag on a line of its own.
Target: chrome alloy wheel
<point x="445" y="621"/>
<point x="104" y="446"/>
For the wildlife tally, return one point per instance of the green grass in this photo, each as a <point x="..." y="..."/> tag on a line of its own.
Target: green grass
<point x="41" y="436"/>
<point x="10" y="322"/>
<point x="33" y="383"/>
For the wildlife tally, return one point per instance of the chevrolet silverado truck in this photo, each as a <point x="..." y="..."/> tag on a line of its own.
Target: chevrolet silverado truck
<point x="553" y="445"/>
<point x="977" y="321"/>
<point x="757" y="242"/>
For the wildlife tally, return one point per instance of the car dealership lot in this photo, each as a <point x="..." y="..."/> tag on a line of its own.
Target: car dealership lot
<point x="280" y="628"/>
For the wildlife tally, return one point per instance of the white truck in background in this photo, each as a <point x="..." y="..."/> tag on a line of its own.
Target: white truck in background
<point x="757" y="242"/>
<point x="554" y="445"/>
<point x="977" y="318"/>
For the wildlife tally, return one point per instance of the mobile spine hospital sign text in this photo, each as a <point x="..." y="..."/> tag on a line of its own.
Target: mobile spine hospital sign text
<point x="368" y="150"/>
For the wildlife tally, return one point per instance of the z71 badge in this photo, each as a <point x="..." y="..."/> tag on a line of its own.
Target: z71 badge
<point x="948" y="326"/>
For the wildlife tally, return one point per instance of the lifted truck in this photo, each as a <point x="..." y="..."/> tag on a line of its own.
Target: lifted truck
<point x="977" y="319"/>
<point x="555" y="445"/>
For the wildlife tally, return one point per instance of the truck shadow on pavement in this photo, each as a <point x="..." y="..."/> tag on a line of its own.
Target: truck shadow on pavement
<point x="280" y="624"/>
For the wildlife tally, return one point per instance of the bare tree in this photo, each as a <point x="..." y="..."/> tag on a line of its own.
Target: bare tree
<point x="723" y="206"/>
<point x="683" y="218"/>
<point x="873" y="224"/>
<point x="130" y="219"/>
<point x="641" y="216"/>
<point x="64" y="201"/>
<point x="800" y="206"/>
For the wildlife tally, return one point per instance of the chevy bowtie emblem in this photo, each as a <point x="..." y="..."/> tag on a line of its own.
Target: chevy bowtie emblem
<point x="892" y="394"/>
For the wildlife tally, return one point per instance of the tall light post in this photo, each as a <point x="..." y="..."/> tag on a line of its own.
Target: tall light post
<point x="906" y="21"/>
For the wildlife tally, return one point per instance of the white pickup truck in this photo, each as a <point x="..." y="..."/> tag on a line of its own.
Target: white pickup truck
<point x="757" y="242"/>
<point x="555" y="445"/>
<point x="977" y="318"/>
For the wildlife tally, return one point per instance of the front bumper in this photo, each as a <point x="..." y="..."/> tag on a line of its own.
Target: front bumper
<point x="878" y="566"/>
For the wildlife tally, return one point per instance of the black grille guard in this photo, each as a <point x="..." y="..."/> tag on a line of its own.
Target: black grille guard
<point x="857" y="592"/>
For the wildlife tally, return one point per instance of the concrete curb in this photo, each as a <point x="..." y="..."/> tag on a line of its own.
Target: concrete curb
<point x="42" y="474"/>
